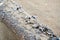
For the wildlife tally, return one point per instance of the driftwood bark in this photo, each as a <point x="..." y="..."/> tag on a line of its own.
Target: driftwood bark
<point x="14" y="25"/>
<point x="12" y="22"/>
<point x="14" y="17"/>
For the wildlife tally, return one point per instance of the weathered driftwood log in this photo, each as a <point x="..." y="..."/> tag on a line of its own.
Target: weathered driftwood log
<point x="12" y="22"/>
<point x="16" y="18"/>
<point x="15" y="26"/>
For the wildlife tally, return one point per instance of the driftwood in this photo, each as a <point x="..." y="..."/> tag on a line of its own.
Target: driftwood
<point x="12" y="22"/>
<point x="21" y="23"/>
